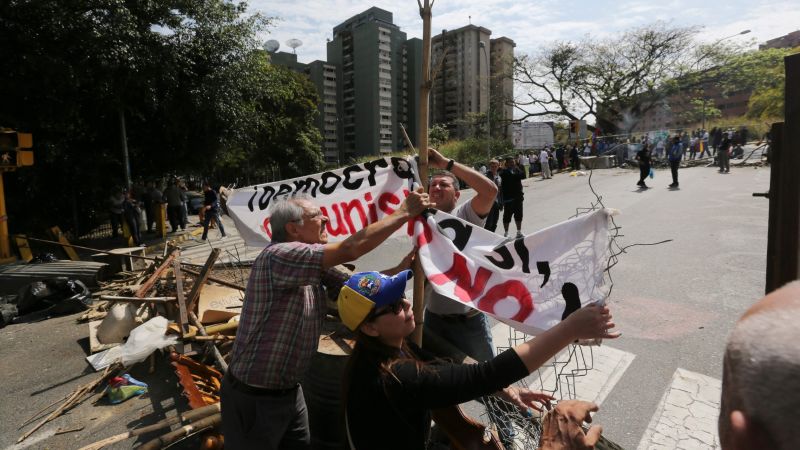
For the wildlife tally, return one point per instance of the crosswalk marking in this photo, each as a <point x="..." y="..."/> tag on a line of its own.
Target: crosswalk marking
<point x="686" y="417"/>
<point x="572" y="379"/>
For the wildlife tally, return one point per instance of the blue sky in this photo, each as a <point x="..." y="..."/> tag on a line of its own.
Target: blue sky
<point x="533" y="24"/>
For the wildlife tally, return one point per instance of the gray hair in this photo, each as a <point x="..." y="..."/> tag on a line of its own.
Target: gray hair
<point x="762" y="363"/>
<point x="283" y="212"/>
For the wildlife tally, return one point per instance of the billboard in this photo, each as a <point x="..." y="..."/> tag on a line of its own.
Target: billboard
<point x="532" y="135"/>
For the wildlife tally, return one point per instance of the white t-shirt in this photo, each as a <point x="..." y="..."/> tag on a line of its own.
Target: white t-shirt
<point x="543" y="156"/>
<point x="523" y="160"/>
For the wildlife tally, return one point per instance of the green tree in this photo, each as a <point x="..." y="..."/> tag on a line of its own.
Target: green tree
<point x="438" y="134"/>
<point x="700" y="110"/>
<point x="614" y="80"/>
<point x="196" y="94"/>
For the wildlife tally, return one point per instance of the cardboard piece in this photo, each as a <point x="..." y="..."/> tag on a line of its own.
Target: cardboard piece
<point x="219" y="303"/>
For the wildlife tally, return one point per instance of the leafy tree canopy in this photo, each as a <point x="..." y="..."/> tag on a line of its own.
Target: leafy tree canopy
<point x="196" y="94"/>
<point x="617" y="80"/>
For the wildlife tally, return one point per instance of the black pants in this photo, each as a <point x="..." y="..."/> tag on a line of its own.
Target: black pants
<point x="724" y="161"/>
<point x="673" y="166"/>
<point x="644" y="172"/>
<point x="264" y="421"/>
<point x="492" y="218"/>
<point x="175" y="215"/>
<point x="116" y="224"/>
<point x="576" y="163"/>
<point x="512" y="208"/>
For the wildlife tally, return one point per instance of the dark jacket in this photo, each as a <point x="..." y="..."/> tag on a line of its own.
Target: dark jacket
<point x="393" y="412"/>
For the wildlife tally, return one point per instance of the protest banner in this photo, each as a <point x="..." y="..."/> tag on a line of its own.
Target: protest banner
<point x="530" y="283"/>
<point x="351" y="197"/>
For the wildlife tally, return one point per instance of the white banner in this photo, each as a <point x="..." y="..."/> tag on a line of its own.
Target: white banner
<point x="351" y="198"/>
<point x="530" y="283"/>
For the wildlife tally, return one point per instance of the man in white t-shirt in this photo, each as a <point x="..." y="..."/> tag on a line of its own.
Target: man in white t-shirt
<point x="463" y="327"/>
<point x="524" y="162"/>
<point x="544" y="160"/>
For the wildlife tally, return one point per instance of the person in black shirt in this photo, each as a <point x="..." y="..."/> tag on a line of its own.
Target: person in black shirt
<point x="211" y="206"/>
<point x="390" y="383"/>
<point x="643" y="156"/>
<point x="511" y="187"/>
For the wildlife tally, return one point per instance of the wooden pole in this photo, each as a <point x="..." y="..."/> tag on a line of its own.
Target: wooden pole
<point x="190" y="416"/>
<point x="422" y="145"/>
<point x="182" y="432"/>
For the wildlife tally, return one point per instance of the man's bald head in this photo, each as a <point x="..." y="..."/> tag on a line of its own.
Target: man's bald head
<point x="761" y="375"/>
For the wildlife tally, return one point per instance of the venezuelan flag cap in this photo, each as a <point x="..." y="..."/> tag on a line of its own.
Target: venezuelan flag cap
<point x="365" y="291"/>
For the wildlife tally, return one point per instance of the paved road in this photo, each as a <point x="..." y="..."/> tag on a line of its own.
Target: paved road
<point x="658" y="384"/>
<point x="675" y="303"/>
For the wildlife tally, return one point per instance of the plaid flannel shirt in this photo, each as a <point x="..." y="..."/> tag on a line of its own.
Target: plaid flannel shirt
<point x="284" y="306"/>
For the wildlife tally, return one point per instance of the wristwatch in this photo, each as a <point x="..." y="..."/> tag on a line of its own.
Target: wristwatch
<point x="450" y="164"/>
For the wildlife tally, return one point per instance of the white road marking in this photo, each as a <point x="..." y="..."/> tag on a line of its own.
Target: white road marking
<point x="686" y="417"/>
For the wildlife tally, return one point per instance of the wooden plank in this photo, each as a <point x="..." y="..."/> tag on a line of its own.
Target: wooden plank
<point x="148" y="258"/>
<point x="151" y="282"/>
<point x="59" y="235"/>
<point x="217" y="355"/>
<point x="201" y="279"/>
<point x="183" y="317"/>
<point x="117" y="298"/>
<point x="24" y="247"/>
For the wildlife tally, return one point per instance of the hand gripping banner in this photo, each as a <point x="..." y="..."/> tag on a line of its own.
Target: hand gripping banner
<point x="530" y="283"/>
<point x="351" y="198"/>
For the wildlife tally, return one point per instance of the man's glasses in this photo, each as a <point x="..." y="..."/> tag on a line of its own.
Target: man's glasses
<point x="394" y="308"/>
<point x="310" y="216"/>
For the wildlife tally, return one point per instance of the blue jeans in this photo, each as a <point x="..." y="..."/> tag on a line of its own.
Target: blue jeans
<point x="470" y="335"/>
<point x="212" y="213"/>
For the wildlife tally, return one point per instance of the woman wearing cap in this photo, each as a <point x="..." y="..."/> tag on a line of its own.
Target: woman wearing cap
<point x="391" y="384"/>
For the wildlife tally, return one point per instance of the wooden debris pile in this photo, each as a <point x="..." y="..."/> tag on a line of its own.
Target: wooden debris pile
<point x="202" y="311"/>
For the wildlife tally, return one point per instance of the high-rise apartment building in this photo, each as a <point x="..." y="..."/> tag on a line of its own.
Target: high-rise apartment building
<point x="323" y="76"/>
<point x="371" y="55"/>
<point x="469" y="67"/>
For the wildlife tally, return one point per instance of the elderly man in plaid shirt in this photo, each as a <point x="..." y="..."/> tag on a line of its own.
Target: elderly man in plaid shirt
<point x="262" y="401"/>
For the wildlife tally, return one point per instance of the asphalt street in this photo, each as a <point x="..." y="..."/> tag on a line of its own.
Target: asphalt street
<point x="675" y="303"/>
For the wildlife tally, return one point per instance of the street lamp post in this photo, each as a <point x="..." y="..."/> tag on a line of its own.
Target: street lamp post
<point x="482" y="45"/>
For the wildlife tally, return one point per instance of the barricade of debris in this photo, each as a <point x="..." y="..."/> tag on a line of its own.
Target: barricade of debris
<point x="190" y="315"/>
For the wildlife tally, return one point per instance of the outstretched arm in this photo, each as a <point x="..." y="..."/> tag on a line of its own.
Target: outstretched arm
<point x="368" y="238"/>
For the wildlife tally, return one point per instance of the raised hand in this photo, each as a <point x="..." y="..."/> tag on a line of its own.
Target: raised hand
<point x="562" y="427"/>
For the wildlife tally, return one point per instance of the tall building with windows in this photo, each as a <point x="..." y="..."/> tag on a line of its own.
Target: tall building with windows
<point x="323" y="76"/>
<point x="371" y="55"/>
<point x="468" y="68"/>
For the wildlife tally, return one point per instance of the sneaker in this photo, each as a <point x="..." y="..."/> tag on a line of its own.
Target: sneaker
<point x="640" y="183"/>
<point x="519" y="234"/>
<point x="644" y="186"/>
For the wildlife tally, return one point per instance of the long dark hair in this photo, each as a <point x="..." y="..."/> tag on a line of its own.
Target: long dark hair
<point x="373" y="350"/>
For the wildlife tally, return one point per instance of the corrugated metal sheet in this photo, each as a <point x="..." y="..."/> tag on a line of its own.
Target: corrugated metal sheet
<point x="14" y="276"/>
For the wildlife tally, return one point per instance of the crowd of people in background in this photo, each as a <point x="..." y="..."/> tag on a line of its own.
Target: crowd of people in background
<point x="658" y="147"/>
<point x="138" y="207"/>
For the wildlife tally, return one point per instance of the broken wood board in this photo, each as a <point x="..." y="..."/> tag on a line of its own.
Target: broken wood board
<point x="219" y="303"/>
